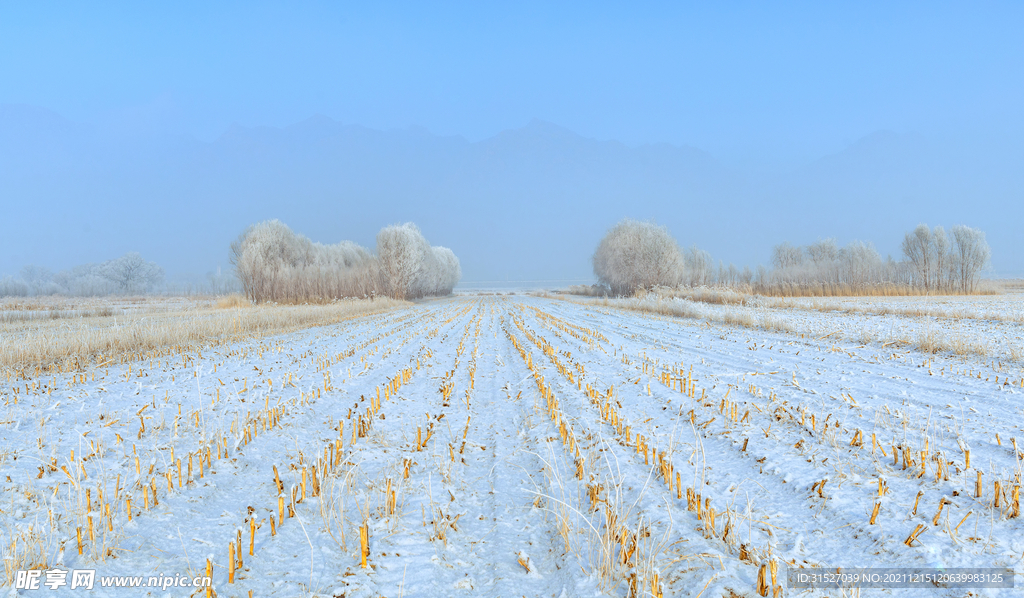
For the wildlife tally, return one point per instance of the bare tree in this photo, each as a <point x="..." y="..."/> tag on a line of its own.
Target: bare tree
<point x="786" y="256"/>
<point x="84" y="280"/>
<point x="699" y="267"/>
<point x="39" y="280"/>
<point x="132" y="274"/>
<point x="449" y="271"/>
<point x="918" y="248"/>
<point x="401" y="249"/>
<point x="941" y="259"/>
<point x="823" y="251"/>
<point x="262" y="256"/>
<point x="272" y="263"/>
<point x="859" y="265"/>
<point x="932" y="263"/>
<point x="637" y="255"/>
<point x="972" y="255"/>
<point x="10" y="287"/>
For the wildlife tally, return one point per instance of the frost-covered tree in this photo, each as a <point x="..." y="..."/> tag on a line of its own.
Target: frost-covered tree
<point x="411" y="268"/>
<point x="785" y="256"/>
<point x="941" y="259"/>
<point x="273" y="263"/>
<point x="260" y="255"/>
<point x="130" y="273"/>
<point x="402" y="250"/>
<point x="84" y="280"/>
<point x="12" y="287"/>
<point x="825" y="268"/>
<point x="637" y="255"/>
<point x="700" y="270"/>
<point x="450" y="271"/>
<point x="823" y="252"/>
<point x="919" y="249"/>
<point x="39" y="280"/>
<point x="859" y="265"/>
<point x="941" y="264"/>
<point x="971" y="256"/>
<point x="221" y="283"/>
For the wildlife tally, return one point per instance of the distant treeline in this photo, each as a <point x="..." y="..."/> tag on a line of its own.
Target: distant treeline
<point x="129" y="274"/>
<point x="273" y="263"/>
<point x="635" y="256"/>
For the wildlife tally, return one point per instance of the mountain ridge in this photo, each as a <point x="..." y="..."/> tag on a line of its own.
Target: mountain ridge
<point x="526" y="203"/>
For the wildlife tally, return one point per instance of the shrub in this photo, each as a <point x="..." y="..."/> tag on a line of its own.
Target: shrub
<point x="275" y="264"/>
<point x="637" y="255"/>
<point x="411" y="268"/>
<point x="9" y="287"/>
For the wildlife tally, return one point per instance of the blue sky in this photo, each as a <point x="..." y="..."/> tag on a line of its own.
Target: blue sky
<point x="770" y="83"/>
<point x="854" y="120"/>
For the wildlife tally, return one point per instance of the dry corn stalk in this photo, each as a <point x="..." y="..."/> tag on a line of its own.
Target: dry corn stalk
<point x="938" y="514"/>
<point x="762" y="581"/>
<point x="914" y="534"/>
<point x="524" y="562"/>
<point x="969" y="513"/>
<point x="238" y="553"/>
<point x="364" y="544"/>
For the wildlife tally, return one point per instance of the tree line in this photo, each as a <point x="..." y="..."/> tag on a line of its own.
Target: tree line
<point x="130" y="274"/>
<point x="273" y="263"/>
<point x="636" y="256"/>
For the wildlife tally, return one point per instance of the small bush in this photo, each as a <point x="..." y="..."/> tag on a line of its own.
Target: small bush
<point x="275" y="264"/>
<point x="635" y="256"/>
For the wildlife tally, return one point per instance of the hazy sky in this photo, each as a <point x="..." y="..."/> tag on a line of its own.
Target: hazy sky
<point x="765" y="83"/>
<point x="854" y="120"/>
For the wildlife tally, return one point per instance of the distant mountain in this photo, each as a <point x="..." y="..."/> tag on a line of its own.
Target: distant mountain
<point x="527" y="204"/>
<point x="885" y="184"/>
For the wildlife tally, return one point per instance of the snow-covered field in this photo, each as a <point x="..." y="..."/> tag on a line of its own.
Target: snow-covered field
<point x="522" y="446"/>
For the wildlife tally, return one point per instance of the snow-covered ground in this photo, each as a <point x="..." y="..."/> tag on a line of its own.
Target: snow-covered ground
<point x="563" y="449"/>
<point x="987" y="326"/>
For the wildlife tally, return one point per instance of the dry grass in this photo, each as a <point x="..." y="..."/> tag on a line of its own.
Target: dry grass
<point x="1010" y="285"/>
<point x="709" y="295"/>
<point x="740" y="294"/>
<point x="584" y="290"/>
<point x="928" y="341"/>
<point x="233" y="301"/>
<point x="932" y="342"/>
<point x="8" y="317"/>
<point x="730" y="296"/>
<point x="968" y="310"/>
<point x="845" y="290"/>
<point x="914" y="309"/>
<point x="745" y="317"/>
<point x="60" y="343"/>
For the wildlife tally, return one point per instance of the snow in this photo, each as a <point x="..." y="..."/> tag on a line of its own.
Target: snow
<point x="492" y="504"/>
